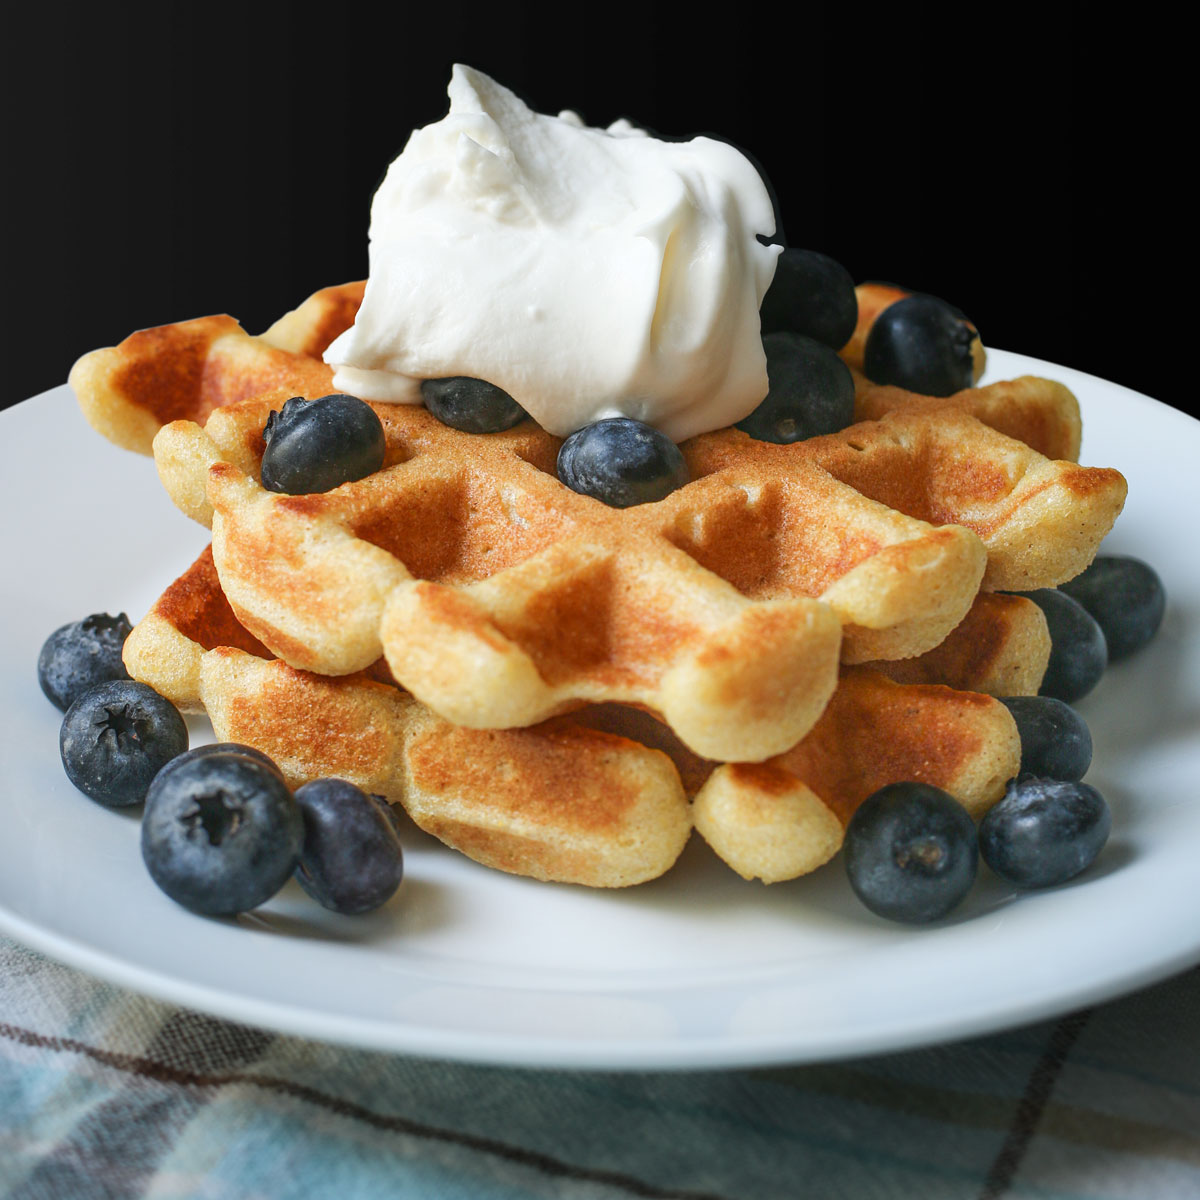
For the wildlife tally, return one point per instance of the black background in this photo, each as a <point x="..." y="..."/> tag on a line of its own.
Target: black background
<point x="1028" y="164"/>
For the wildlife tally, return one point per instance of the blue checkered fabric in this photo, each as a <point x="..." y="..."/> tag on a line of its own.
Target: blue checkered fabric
<point x="104" y="1093"/>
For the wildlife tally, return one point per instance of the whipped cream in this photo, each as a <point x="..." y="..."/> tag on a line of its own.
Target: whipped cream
<point x="589" y="273"/>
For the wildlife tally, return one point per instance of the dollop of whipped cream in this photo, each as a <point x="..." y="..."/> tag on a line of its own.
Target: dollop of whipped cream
<point x="589" y="273"/>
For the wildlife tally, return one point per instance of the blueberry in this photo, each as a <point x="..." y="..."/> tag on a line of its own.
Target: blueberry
<point x="622" y="462"/>
<point x="1044" y="831"/>
<point x="1055" y="740"/>
<point x="472" y="405"/>
<point x="217" y="748"/>
<point x="221" y="833"/>
<point x="116" y="737"/>
<point x="811" y="391"/>
<point x="921" y="344"/>
<point x="1078" y="654"/>
<point x="911" y="852"/>
<point x="317" y="445"/>
<point x="1126" y="598"/>
<point x="811" y="294"/>
<point x="80" y="655"/>
<point x="351" y="861"/>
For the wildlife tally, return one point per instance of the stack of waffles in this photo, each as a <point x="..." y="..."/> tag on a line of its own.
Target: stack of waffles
<point x="565" y="690"/>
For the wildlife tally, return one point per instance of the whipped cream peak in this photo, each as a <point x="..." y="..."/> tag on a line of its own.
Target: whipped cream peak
<point x="588" y="272"/>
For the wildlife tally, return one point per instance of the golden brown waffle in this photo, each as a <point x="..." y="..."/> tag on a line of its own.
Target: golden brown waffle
<point x="746" y="587"/>
<point x="184" y="371"/>
<point x="501" y="598"/>
<point x="599" y="797"/>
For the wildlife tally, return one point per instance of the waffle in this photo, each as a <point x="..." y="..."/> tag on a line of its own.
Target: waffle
<point x="186" y="370"/>
<point x="600" y="797"/>
<point x="500" y="598"/>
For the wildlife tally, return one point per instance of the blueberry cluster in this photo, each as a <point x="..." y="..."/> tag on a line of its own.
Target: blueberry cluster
<point x="221" y="830"/>
<point x="1105" y="614"/>
<point x="807" y="316"/>
<point x="911" y="850"/>
<point x="222" y="833"/>
<point x="919" y="343"/>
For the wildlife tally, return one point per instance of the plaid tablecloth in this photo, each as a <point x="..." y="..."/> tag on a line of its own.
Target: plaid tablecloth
<point x="104" y="1093"/>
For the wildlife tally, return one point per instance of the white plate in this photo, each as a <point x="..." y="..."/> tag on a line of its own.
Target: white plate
<point x="698" y="969"/>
